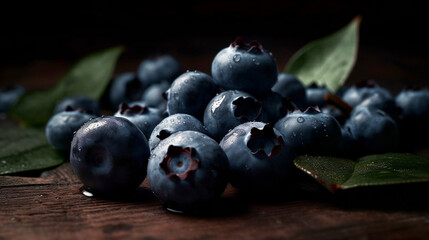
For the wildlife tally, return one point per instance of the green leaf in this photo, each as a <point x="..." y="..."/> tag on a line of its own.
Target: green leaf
<point x="89" y="76"/>
<point x="26" y="149"/>
<point x="373" y="170"/>
<point x="329" y="60"/>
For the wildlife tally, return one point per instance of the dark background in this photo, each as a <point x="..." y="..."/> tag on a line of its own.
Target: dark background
<point x="34" y="33"/>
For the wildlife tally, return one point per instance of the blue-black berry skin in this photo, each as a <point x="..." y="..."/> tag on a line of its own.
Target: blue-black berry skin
<point x="413" y="103"/>
<point x="373" y="130"/>
<point x="157" y="69"/>
<point x="259" y="158"/>
<point x="109" y="155"/>
<point x="188" y="170"/>
<point x="229" y="109"/>
<point x="245" y="66"/>
<point x="125" y="87"/>
<point x="172" y="124"/>
<point x="190" y="93"/>
<point x="153" y="95"/>
<point x="275" y="106"/>
<point x="384" y="102"/>
<point x="310" y="132"/>
<point x="9" y="96"/>
<point x="290" y="87"/>
<point x="315" y="95"/>
<point x="61" y="127"/>
<point x="145" y="118"/>
<point x="362" y="90"/>
<point x="80" y="103"/>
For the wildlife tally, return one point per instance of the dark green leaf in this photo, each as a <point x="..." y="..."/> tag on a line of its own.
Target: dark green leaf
<point x="26" y="149"/>
<point x="374" y="170"/>
<point x="329" y="60"/>
<point x="90" y="76"/>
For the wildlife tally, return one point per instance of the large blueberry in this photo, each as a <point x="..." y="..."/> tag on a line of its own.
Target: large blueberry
<point x="157" y="69"/>
<point x="310" y="132"/>
<point x="188" y="171"/>
<point x="290" y="87"/>
<point x="172" y="124"/>
<point x="61" y="127"/>
<point x="245" y="66"/>
<point x="275" y="106"/>
<point x="109" y="155"/>
<point x="81" y="103"/>
<point x="190" y="93"/>
<point x="145" y="118"/>
<point x="229" y="109"/>
<point x="259" y="158"/>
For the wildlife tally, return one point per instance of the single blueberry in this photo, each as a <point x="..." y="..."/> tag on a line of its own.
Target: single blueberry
<point x="259" y="158"/>
<point x="81" y="103"/>
<point x="62" y="126"/>
<point x="188" y="171"/>
<point x="310" y="132"/>
<point x="172" y="124"/>
<point x="290" y="87"/>
<point x="153" y="95"/>
<point x="158" y="69"/>
<point x="125" y="87"/>
<point x="229" y="109"/>
<point x="244" y="66"/>
<point x="9" y="96"/>
<point x="109" y="155"/>
<point x="316" y="95"/>
<point x="145" y="118"/>
<point x="374" y="131"/>
<point x="190" y="93"/>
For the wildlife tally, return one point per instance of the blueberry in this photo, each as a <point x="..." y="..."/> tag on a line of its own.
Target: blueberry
<point x="158" y="69"/>
<point x="61" y="127"/>
<point x="290" y="87"/>
<point x="145" y="118"/>
<point x="125" y="87"/>
<point x="109" y="155"/>
<point x="414" y="103"/>
<point x="81" y="103"/>
<point x="259" y="158"/>
<point x="244" y="66"/>
<point x="9" y="96"/>
<point x="346" y="145"/>
<point x="362" y="90"/>
<point x="188" y="171"/>
<point x="384" y="102"/>
<point x="172" y="124"/>
<point x="229" y="109"/>
<point x="373" y="130"/>
<point x="275" y="106"/>
<point x="310" y="132"/>
<point x="316" y="95"/>
<point x="190" y="93"/>
<point x="414" y="118"/>
<point x="153" y="95"/>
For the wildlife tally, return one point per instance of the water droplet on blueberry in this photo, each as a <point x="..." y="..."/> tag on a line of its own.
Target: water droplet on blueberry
<point x="300" y="119"/>
<point x="236" y="58"/>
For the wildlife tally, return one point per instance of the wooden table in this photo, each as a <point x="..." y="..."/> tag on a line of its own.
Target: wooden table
<point x="51" y="206"/>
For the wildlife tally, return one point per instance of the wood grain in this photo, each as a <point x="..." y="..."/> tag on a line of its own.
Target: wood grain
<point x="52" y="207"/>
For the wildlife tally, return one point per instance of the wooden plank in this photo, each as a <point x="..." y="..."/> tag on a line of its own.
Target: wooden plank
<point x="54" y="208"/>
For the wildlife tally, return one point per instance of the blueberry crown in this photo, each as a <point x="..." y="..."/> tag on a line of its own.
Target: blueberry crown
<point x="253" y="46"/>
<point x="172" y="169"/>
<point x="265" y="142"/>
<point x="125" y="109"/>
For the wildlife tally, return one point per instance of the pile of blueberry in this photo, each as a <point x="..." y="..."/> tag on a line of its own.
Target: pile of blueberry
<point x="191" y="133"/>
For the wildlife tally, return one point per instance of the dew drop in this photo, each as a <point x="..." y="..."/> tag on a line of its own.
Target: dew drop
<point x="236" y="58"/>
<point x="87" y="194"/>
<point x="300" y="119"/>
